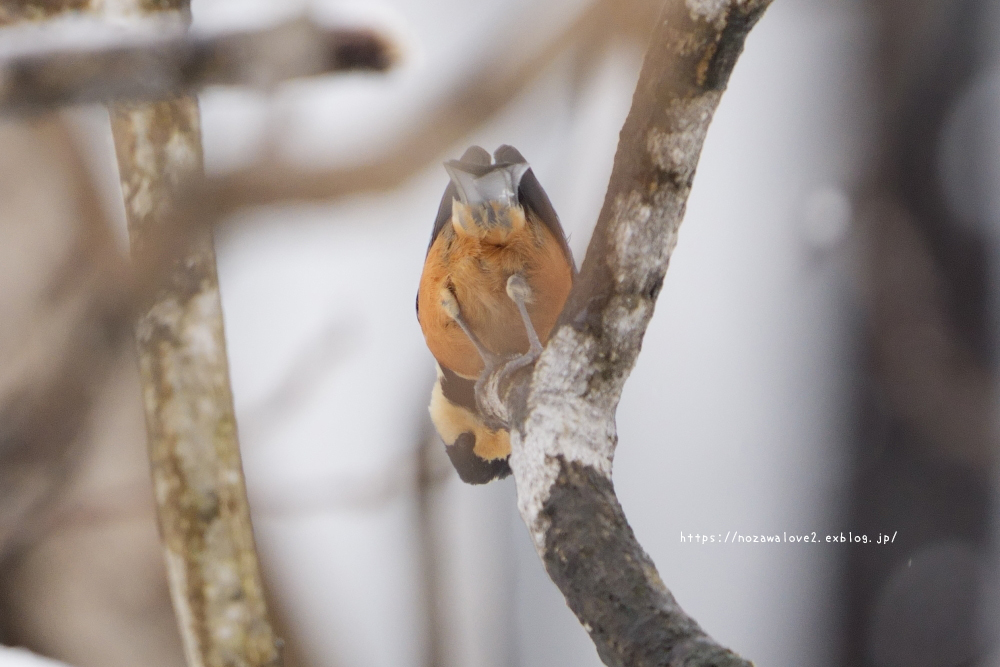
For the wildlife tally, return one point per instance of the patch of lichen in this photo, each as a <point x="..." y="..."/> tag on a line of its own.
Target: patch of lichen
<point x="17" y="11"/>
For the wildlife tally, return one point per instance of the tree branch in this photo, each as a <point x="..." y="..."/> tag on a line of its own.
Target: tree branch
<point x="17" y="11"/>
<point x="204" y="516"/>
<point x="563" y="422"/>
<point x="158" y="68"/>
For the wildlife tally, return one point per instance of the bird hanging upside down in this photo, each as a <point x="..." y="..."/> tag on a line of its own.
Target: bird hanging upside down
<point x="497" y="274"/>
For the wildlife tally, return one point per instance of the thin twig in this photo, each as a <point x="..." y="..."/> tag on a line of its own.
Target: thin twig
<point x="156" y="68"/>
<point x="563" y="432"/>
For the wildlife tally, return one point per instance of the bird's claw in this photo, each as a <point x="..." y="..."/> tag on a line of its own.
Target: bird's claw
<point x="498" y="370"/>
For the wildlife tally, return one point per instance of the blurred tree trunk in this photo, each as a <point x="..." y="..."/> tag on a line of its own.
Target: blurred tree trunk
<point x="927" y="432"/>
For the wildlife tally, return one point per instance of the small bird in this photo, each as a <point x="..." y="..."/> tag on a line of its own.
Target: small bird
<point x="497" y="273"/>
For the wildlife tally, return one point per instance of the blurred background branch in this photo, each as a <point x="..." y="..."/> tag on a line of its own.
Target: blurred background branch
<point x="49" y="379"/>
<point x="157" y="67"/>
<point x="926" y="446"/>
<point x="200" y="492"/>
<point x="483" y="93"/>
<point x="16" y="11"/>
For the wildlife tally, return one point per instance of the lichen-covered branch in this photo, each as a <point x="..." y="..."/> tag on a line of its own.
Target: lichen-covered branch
<point x="198" y="482"/>
<point x="16" y="11"/>
<point x="200" y="493"/>
<point x="153" y="68"/>
<point x="563" y="434"/>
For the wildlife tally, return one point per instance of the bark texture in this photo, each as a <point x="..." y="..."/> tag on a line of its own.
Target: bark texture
<point x="153" y="68"/>
<point x="15" y="11"/>
<point x="563" y="428"/>
<point x="198" y="481"/>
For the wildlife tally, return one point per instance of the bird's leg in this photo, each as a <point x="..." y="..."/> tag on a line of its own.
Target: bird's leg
<point x="486" y="389"/>
<point x="489" y="387"/>
<point x="450" y="305"/>
<point x="519" y="292"/>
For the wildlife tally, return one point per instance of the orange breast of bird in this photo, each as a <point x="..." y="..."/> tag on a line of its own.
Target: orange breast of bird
<point x="475" y="269"/>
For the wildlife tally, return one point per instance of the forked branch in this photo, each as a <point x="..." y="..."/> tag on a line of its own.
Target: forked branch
<point x="563" y="434"/>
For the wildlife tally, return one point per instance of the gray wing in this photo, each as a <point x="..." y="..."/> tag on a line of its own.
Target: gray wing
<point x="474" y="156"/>
<point x="533" y="197"/>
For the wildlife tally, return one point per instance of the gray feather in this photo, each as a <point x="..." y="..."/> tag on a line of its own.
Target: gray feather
<point x="478" y="184"/>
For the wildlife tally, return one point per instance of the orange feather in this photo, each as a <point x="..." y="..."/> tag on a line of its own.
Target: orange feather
<point x="475" y="268"/>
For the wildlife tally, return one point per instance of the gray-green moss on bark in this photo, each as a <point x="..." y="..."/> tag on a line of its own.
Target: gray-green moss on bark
<point x="563" y="433"/>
